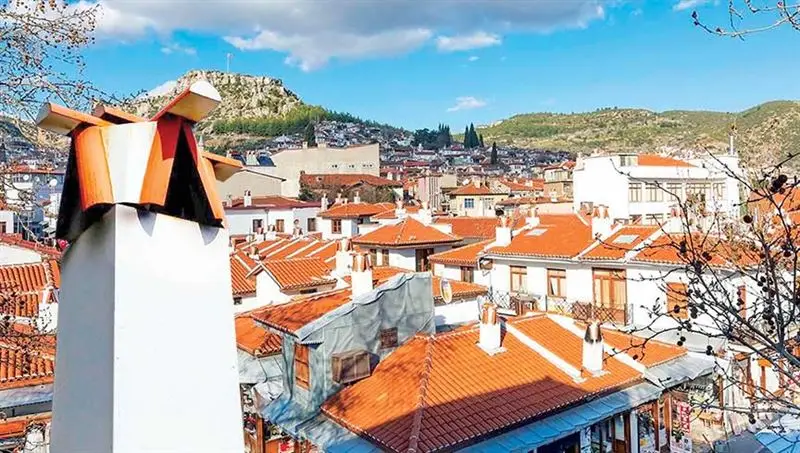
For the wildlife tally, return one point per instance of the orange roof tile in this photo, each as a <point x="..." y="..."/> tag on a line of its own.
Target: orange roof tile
<point x="299" y="273"/>
<point x="666" y="249"/>
<point x="23" y="367"/>
<point x="242" y="283"/>
<point x="18" y="426"/>
<point x="15" y="240"/>
<point x="406" y="233"/>
<point x="392" y="213"/>
<point x="537" y="185"/>
<point x="272" y="202"/>
<point x="654" y="160"/>
<point x="254" y="339"/>
<point x="556" y="236"/>
<point x="22" y="287"/>
<point x="354" y="210"/>
<point x="292" y="316"/>
<point x="345" y="180"/>
<point x="477" y="227"/>
<point x="470" y="189"/>
<point x="648" y="353"/>
<point x="461" y="290"/>
<point x="432" y="393"/>
<point x="461" y="256"/>
<point x="621" y="242"/>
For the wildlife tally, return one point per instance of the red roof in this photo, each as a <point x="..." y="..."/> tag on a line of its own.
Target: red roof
<point x="392" y="213"/>
<point x="272" y="202"/>
<point x="666" y="249"/>
<point x="470" y="189"/>
<point x="292" y="316"/>
<point x="17" y="241"/>
<point x="241" y="281"/>
<point x="621" y="242"/>
<point x="443" y="392"/>
<point x="354" y="210"/>
<point x="254" y="339"/>
<point x="345" y="180"/>
<point x="299" y="273"/>
<point x="653" y="160"/>
<point x="461" y="256"/>
<point x="407" y="233"/>
<point x="25" y="365"/>
<point x="536" y="185"/>
<point x="556" y="236"/>
<point x="461" y="290"/>
<point x="476" y="227"/>
<point x="23" y="285"/>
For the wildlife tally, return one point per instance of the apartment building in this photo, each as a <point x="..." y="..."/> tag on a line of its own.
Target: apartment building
<point x="249" y="215"/>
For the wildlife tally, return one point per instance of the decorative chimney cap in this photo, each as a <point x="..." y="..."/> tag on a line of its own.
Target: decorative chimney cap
<point x="593" y="333"/>
<point x="345" y="245"/>
<point x="362" y="262"/>
<point x="489" y="313"/>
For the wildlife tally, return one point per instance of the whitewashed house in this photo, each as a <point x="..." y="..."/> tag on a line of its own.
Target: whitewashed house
<point x="249" y="215"/>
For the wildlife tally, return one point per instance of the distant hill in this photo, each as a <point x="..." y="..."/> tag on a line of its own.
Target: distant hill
<point x="764" y="133"/>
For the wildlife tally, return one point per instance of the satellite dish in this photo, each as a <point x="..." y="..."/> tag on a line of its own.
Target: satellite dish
<point x="447" y="290"/>
<point x="26" y="177"/>
<point x="53" y="182"/>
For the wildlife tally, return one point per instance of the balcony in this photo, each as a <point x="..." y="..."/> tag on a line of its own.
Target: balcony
<point x="521" y="303"/>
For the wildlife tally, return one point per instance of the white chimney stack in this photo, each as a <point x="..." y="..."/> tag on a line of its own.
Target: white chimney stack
<point x="425" y="215"/>
<point x="297" y="231"/>
<point x="593" y="349"/>
<point x="601" y="222"/>
<point x="502" y="233"/>
<point x="343" y="257"/>
<point x="533" y="217"/>
<point x="247" y="200"/>
<point x="338" y="198"/>
<point x="323" y="202"/>
<point x="271" y="234"/>
<point x="490" y="330"/>
<point x="476" y="182"/>
<point x="399" y="210"/>
<point x="361" y="276"/>
<point x="357" y="197"/>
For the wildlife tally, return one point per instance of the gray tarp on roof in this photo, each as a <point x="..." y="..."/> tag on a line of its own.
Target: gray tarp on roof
<point x="253" y="370"/>
<point x="570" y="421"/>
<point x="26" y="395"/>
<point x="683" y="369"/>
<point x="695" y="342"/>
<point x="331" y="437"/>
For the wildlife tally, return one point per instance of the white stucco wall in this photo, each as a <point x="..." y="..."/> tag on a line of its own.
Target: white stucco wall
<point x="289" y="215"/>
<point x="267" y="290"/>
<point x="457" y="312"/>
<point x="240" y="221"/>
<point x="113" y="354"/>
<point x="349" y="228"/>
<point x="7" y="217"/>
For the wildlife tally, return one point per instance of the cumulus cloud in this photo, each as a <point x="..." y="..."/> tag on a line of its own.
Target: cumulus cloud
<point x="688" y="4"/>
<point x="467" y="103"/>
<point x="177" y="48"/>
<point x="312" y="33"/>
<point x="467" y="42"/>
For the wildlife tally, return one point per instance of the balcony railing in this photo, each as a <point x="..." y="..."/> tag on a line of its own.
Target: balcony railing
<point x="521" y="303"/>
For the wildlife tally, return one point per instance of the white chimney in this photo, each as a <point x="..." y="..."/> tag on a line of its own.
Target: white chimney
<point x="343" y="258"/>
<point x="399" y="210"/>
<point x="502" y="233"/>
<point x="323" y="202"/>
<point x="247" y="201"/>
<point x="357" y="197"/>
<point x="253" y="253"/>
<point x="271" y="234"/>
<point x="361" y="276"/>
<point x="425" y="216"/>
<point x="593" y="349"/>
<point x="533" y="217"/>
<point x="490" y="329"/>
<point x="297" y="231"/>
<point x="476" y="182"/>
<point x="259" y="234"/>
<point x="601" y="222"/>
<point x="338" y="198"/>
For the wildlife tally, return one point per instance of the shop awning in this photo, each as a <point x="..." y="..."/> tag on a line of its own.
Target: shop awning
<point x="570" y="421"/>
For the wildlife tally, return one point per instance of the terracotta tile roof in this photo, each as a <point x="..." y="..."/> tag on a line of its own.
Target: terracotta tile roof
<point x="724" y="253"/>
<point x="537" y="185"/>
<point x="255" y="339"/>
<point x="653" y="160"/>
<point x="292" y="316"/>
<point x="392" y="213"/>
<point x="624" y="240"/>
<point x="272" y="202"/>
<point x="354" y="210"/>
<point x="23" y="367"/>
<point x="241" y="281"/>
<point x="345" y="180"/>
<point x="293" y="274"/>
<point x="16" y="240"/>
<point x="407" y="233"/>
<point x="461" y="290"/>
<point x="470" y="189"/>
<point x="649" y="353"/>
<point x="477" y="227"/>
<point x="556" y="236"/>
<point x="15" y="427"/>
<point x="517" y="201"/>
<point x="22" y="287"/>
<point x="433" y="394"/>
<point x="461" y="256"/>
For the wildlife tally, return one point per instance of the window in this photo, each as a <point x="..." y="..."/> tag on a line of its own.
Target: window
<point x="302" y="378"/>
<point x="373" y="256"/>
<point x="466" y="274"/>
<point x="389" y="338"/>
<point x="2" y="227"/>
<point x="634" y="192"/>
<point x="556" y="283"/>
<point x="610" y="289"/>
<point x="677" y="300"/>
<point x="675" y="190"/>
<point x="763" y="365"/>
<point x="385" y="257"/>
<point x="741" y="299"/>
<point x="311" y="224"/>
<point x="308" y="291"/>
<point x="237" y="301"/>
<point x="422" y="259"/>
<point x="258" y="225"/>
<point x="654" y="192"/>
<point x="336" y="226"/>
<point x="279" y="226"/>
<point x="469" y="203"/>
<point x="519" y="279"/>
<point x="350" y="366"/>
<point x="628" y="160"/>
<point x="719" y="191"/>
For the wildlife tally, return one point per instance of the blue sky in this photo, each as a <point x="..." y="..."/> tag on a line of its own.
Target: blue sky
<point x="415" y="64"/>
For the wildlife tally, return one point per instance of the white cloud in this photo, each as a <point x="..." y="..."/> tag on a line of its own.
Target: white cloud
<point x="177" y="48"/>
<point x="688" y="4"/>
<point x="162" y="89"/>
<point x="313" y="33"/>
<point x="473" y="58"/>
<point x="467" y="42"/>
<point x="467" y="103"/>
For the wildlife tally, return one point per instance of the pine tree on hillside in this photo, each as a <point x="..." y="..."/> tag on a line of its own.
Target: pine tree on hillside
<point x="467" y="137"/>
<point x="494" y="154"/>
<point x="473" y="137"/>
<point x="310" y="136"/>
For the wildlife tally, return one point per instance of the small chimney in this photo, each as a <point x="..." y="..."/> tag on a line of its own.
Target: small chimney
<point x="247" y="201"/>
<point x="259" y="234"/>
<point x="593" y="349"/>
<point x="533" y="217"/>
<point x="425" y="215"/>
<point x="297" y="231"/>
<point x="476" y="182"/>
<point x="253" y="253"/>
<point x="229" y="201"/>
<point x="601" y="222"/>
<point x="357" y="197"/>
<point x="399" y="210"/>
<point x="361" y="276"/>
<point x="338" y="198"/>
<point x="502" y="233"/>
<point x="323" y="202"/>
<point x="343" y="258"/>
<point x="490" y="330"/>
<point x="271" y="234"/>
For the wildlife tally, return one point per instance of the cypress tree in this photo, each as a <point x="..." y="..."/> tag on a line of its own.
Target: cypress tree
<point x="310" y="135"/>
<point x="494" y="153"/>
<point x="480" y="137"/>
